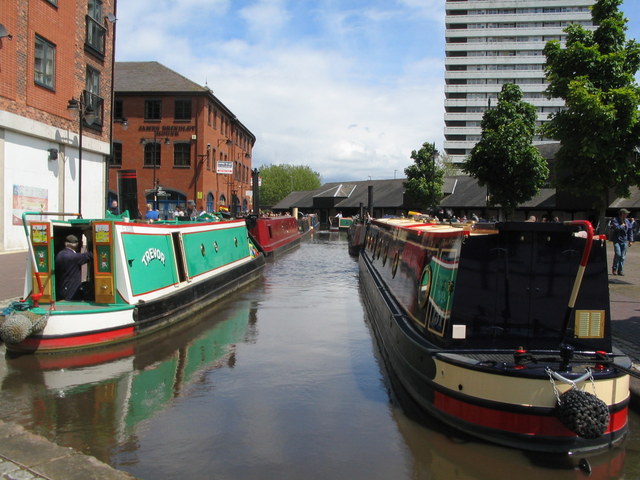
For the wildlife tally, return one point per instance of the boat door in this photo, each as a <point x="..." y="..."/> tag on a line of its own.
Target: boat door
<point x="536" y="279"/>
<point x="42" y="250"/>
<point x="103" y="261"/>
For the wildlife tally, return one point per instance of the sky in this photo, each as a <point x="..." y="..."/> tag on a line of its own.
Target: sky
<point x="346" y="87"/>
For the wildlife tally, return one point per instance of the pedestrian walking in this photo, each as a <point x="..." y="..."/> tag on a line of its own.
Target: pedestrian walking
<point x="622" y="238"/>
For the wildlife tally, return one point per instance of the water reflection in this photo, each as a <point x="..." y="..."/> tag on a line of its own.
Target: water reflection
<point x="95" y="400"/>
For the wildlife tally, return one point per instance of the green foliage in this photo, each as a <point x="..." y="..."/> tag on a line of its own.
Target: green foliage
<point x="278" y="181"/>
<point x="423" y="188"/>
<point x="594" y="74"/>
<point x="505" y="159"/>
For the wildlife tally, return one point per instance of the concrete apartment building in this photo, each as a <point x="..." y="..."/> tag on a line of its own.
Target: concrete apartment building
<point x="492" y="42"/>
<point x="56" y="60"/>
<point x="182" y="142"/>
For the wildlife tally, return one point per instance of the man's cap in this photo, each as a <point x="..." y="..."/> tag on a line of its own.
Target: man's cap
<point x="624" y="210"/>
<point x="72" y="239"/>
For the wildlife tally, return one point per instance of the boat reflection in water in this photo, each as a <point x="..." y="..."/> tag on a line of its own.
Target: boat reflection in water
<point x="118" y="388"/>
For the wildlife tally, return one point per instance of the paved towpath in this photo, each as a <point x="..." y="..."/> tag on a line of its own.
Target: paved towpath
<point x="27" y="456"/>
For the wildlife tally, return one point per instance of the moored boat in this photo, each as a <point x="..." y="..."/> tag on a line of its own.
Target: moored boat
<point x="142" y="277"/>
<point x="340" y="223"/>
<point x="499" y="330"/>
<point x="274" y="235"/>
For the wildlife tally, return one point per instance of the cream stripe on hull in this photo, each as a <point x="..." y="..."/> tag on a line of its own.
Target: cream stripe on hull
<point x="526" y="392"/>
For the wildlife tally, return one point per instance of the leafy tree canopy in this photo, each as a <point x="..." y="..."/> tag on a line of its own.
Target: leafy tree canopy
<point x="594" y="74"/>
<point x="505" y="159"/>
<point x="278" y="181"/>
<point x="423" y="188"/>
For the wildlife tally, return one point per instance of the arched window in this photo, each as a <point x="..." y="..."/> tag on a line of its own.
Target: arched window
<point x="167" y="202"/>
<point x="210" y="202"/>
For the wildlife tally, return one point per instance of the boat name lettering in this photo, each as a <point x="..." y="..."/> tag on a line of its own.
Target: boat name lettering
<point x="151" y="254"/>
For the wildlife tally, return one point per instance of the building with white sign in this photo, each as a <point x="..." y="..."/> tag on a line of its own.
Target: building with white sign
<point x="182" y="145"/>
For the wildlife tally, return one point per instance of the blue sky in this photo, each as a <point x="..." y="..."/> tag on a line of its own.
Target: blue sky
<point x="347" y="87"/>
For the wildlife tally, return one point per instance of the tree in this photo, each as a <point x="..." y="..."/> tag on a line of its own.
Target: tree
<point x="278" y="181"/>
<point x="505" y="159"/>
<point x="599" y="129"/>
<point x="423" y="188"/>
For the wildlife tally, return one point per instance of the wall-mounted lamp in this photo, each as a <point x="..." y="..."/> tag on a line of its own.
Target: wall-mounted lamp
<point x="124" y="123"/>
<point x="246" y="155"/>
<point x="110" y="17"/>
<point x="227" y="141"/>
<point x="4" y="33"/>
<point x="53" y="154"/>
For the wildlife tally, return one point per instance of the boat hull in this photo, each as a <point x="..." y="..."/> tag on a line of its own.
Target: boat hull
<point x="510" y="404"/>
<point x="274" y="235"/>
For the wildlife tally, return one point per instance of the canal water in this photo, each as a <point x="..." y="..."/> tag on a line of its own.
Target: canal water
<point x="281" y="381"/>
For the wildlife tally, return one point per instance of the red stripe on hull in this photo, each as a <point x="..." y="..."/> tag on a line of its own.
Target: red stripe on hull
<point x="520" y="423"/>
<point x="67" y="343"/>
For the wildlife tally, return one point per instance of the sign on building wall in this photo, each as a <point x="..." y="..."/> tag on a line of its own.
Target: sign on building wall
<point x="225" y="168"/>
<point x="25" y="199"/>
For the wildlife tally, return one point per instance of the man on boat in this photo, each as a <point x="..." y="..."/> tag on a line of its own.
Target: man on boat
<point x="622" y="237"/>
<point x="69" y="269"/>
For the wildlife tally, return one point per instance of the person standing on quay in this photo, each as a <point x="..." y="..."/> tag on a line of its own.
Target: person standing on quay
<point x="622" y="238"/>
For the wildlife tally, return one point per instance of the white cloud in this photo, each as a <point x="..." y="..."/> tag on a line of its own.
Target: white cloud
<point x="265" y="18"/>
<point x="314" y="91"/>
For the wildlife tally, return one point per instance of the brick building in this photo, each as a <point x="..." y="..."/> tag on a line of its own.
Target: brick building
<point x="53" y="52"/>
<point x="202" y="152"/>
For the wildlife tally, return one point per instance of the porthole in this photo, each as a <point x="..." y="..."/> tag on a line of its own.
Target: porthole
<point x="424" y="287"/>
<point x="203" y="251"/>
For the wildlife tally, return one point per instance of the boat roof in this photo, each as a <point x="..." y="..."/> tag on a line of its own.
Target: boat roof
<point x="413" y="224"/>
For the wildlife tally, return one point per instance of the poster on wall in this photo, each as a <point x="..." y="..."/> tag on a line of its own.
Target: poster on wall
<point x="26" y="198"/>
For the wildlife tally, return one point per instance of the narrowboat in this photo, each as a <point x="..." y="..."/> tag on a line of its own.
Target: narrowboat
<point x="142" y="277"/>
<point x="340" y="223"/>
<point x="501" y="330"/>
<point x="274" y="235"/>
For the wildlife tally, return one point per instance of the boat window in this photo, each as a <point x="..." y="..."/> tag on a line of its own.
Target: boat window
<point x="424" y="287"/>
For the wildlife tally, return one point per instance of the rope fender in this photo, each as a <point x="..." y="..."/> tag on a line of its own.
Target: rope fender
<point x="19" y="322"/>
<point x="581" y="412"/>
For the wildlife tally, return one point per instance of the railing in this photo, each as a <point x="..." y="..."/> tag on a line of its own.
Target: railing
<point x="96" y="104"/>
<point x="95" y="39"/>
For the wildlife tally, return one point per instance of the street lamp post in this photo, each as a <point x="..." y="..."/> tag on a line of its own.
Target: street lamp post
<point x="256" y="191"/>
<point x="198" y="169"/>
<point x="227" y="142"/>
<point x="144" y="141"/>
<point x="88" y="115"/>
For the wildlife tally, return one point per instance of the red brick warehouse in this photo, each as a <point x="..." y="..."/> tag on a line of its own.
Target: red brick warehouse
<point x="202" y="151"/>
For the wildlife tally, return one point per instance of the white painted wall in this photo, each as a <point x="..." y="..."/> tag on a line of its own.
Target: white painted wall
<point x="26" y="164"/>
